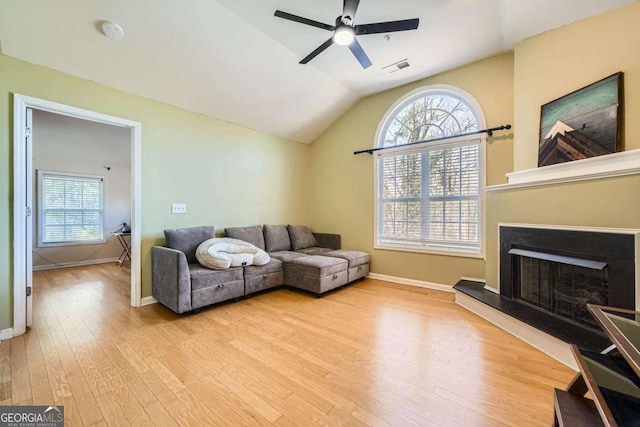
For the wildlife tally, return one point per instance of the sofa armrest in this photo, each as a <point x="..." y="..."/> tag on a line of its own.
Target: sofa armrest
<point x="171" y="281"/>
<point x="328" y="240"/>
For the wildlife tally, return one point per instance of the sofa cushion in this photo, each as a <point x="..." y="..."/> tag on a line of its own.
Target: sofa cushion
<point x="274" y="266"/>
<point x="328" y="240"/>
<point x="317" y="266"/>
<point x="276" y="238"/>
<point x="220" y="253"/>
<point x="315" y="250"/>
<point x="202" y="277"/>
<point x="301" y="237"/>
<point x="286" y="256"/>
<point x="252" y="235"/>
<point x="355" y="258"/>
<point x="187" y="240"/>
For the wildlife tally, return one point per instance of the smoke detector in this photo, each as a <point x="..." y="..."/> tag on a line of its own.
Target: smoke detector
<point x="112" y="30"/>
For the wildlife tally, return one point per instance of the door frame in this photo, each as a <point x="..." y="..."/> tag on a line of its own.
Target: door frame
<point x="20" y="203"/>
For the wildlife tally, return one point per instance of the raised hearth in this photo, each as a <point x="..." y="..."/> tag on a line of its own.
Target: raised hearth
<point x="547" y="276"/>
<point x="552" y="325"/>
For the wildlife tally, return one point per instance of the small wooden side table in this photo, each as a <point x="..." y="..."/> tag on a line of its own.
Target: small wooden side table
<point x="125" y="242"/>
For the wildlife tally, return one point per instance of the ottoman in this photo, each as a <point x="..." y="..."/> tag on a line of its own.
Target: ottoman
<point x="358" y="262"/>
<point x="316" y="273"/>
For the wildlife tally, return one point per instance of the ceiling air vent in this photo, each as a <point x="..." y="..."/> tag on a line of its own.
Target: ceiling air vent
<point x="397" y="66"/>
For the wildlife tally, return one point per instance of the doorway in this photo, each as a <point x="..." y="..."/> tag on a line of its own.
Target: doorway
<point x="24" y="201"/>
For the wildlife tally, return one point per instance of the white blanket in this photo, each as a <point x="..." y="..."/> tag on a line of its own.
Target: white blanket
<point x="224" y="252"/>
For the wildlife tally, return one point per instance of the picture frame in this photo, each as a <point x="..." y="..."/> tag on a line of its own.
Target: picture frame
<point x="582" y="124"/>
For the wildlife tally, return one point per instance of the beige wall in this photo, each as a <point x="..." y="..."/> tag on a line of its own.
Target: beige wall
<point x="342" y="184"/>
<point x="605" y="203"/>
<point x="547" y="67"/>
<point x="558" y="62"/>
<point x="226" y="174"/>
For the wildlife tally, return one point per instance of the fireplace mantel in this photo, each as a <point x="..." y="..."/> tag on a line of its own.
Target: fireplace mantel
<point x="610" y="165"/>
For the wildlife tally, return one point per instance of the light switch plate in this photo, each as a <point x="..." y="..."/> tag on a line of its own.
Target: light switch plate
<point x="178" y="208"/>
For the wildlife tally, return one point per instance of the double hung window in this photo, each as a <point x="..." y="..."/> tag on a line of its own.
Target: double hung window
<point x="429" y="195"/>
<point x="71" y="209"/>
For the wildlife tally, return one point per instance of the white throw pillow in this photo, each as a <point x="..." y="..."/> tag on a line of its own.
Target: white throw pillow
<point x="224" y="252"/>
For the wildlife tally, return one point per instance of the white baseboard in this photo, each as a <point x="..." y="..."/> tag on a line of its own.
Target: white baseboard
<point x="147" y="301"/>
<point x="544" y="342"/>
<point x="74" y="264"/>
<point x="6" y="334"/>
<point x="411" y="282"/>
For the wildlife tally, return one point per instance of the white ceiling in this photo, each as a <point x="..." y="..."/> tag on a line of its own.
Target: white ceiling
<point x="233" y="60"/>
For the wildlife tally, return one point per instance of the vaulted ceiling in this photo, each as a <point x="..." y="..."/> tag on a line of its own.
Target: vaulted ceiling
<point x="233" y="60"/>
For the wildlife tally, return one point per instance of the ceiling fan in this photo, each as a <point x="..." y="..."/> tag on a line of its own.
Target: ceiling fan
<point x="345" y="31"/>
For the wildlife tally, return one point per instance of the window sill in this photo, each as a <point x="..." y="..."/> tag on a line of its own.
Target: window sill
<point x="428" y="251"/>
<point x="78" y="243"/>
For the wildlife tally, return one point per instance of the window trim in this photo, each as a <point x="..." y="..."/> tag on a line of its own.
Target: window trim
<point x="40" y="197"/>
<point x="382" y="128"/>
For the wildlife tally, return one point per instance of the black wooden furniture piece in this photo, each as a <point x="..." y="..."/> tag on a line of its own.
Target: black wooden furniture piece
<point x="611" y="378"/>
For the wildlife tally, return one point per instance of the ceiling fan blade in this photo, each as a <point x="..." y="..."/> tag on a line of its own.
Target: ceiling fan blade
<point x="301" y="20"/>
<point x="388" y="27"/>
<point x="350" y="7"/>
<point x="358" y="52"/>
<point x="318" y="51"/>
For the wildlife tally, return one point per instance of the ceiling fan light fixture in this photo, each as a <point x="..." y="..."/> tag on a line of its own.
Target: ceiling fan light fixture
<point x="344" y="31"/>
<point x="344" y="36"/>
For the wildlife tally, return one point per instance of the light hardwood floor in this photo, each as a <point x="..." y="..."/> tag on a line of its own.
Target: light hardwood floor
<point x="373" y="353"/>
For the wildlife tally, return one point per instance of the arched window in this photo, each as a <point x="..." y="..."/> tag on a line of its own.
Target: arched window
<point x="429" y="195"/>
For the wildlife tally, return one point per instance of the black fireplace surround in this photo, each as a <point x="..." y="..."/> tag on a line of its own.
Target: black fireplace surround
<point x="575" y="267"/>
<point x="604" y="262"/>
<point x="614" y="249"/>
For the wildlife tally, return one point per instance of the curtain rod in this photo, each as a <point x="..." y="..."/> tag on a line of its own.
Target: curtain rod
<point x="487" y="131"/>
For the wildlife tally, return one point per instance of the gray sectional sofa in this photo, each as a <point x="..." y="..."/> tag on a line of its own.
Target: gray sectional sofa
<point x="300" y="259"/>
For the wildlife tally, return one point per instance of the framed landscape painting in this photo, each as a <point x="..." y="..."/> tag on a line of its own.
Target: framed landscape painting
<point x="582" y="124"/>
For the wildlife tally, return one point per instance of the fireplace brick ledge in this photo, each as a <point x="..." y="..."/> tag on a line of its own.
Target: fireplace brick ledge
<point x="552" y="325"/>
<point x="607" y="166"/>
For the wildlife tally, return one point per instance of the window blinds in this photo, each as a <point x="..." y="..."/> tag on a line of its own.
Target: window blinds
<point x="429" y="197"/>
<point x="71" y="208"/>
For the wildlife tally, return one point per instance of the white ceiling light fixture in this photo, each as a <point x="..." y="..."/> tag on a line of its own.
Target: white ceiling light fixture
<point x="112" y="30"/>
<point x="344" y="36"/>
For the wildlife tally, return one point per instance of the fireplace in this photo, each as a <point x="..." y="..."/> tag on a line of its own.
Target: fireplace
<point x="560" y="285"/>
<point x="559" y="271"/>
